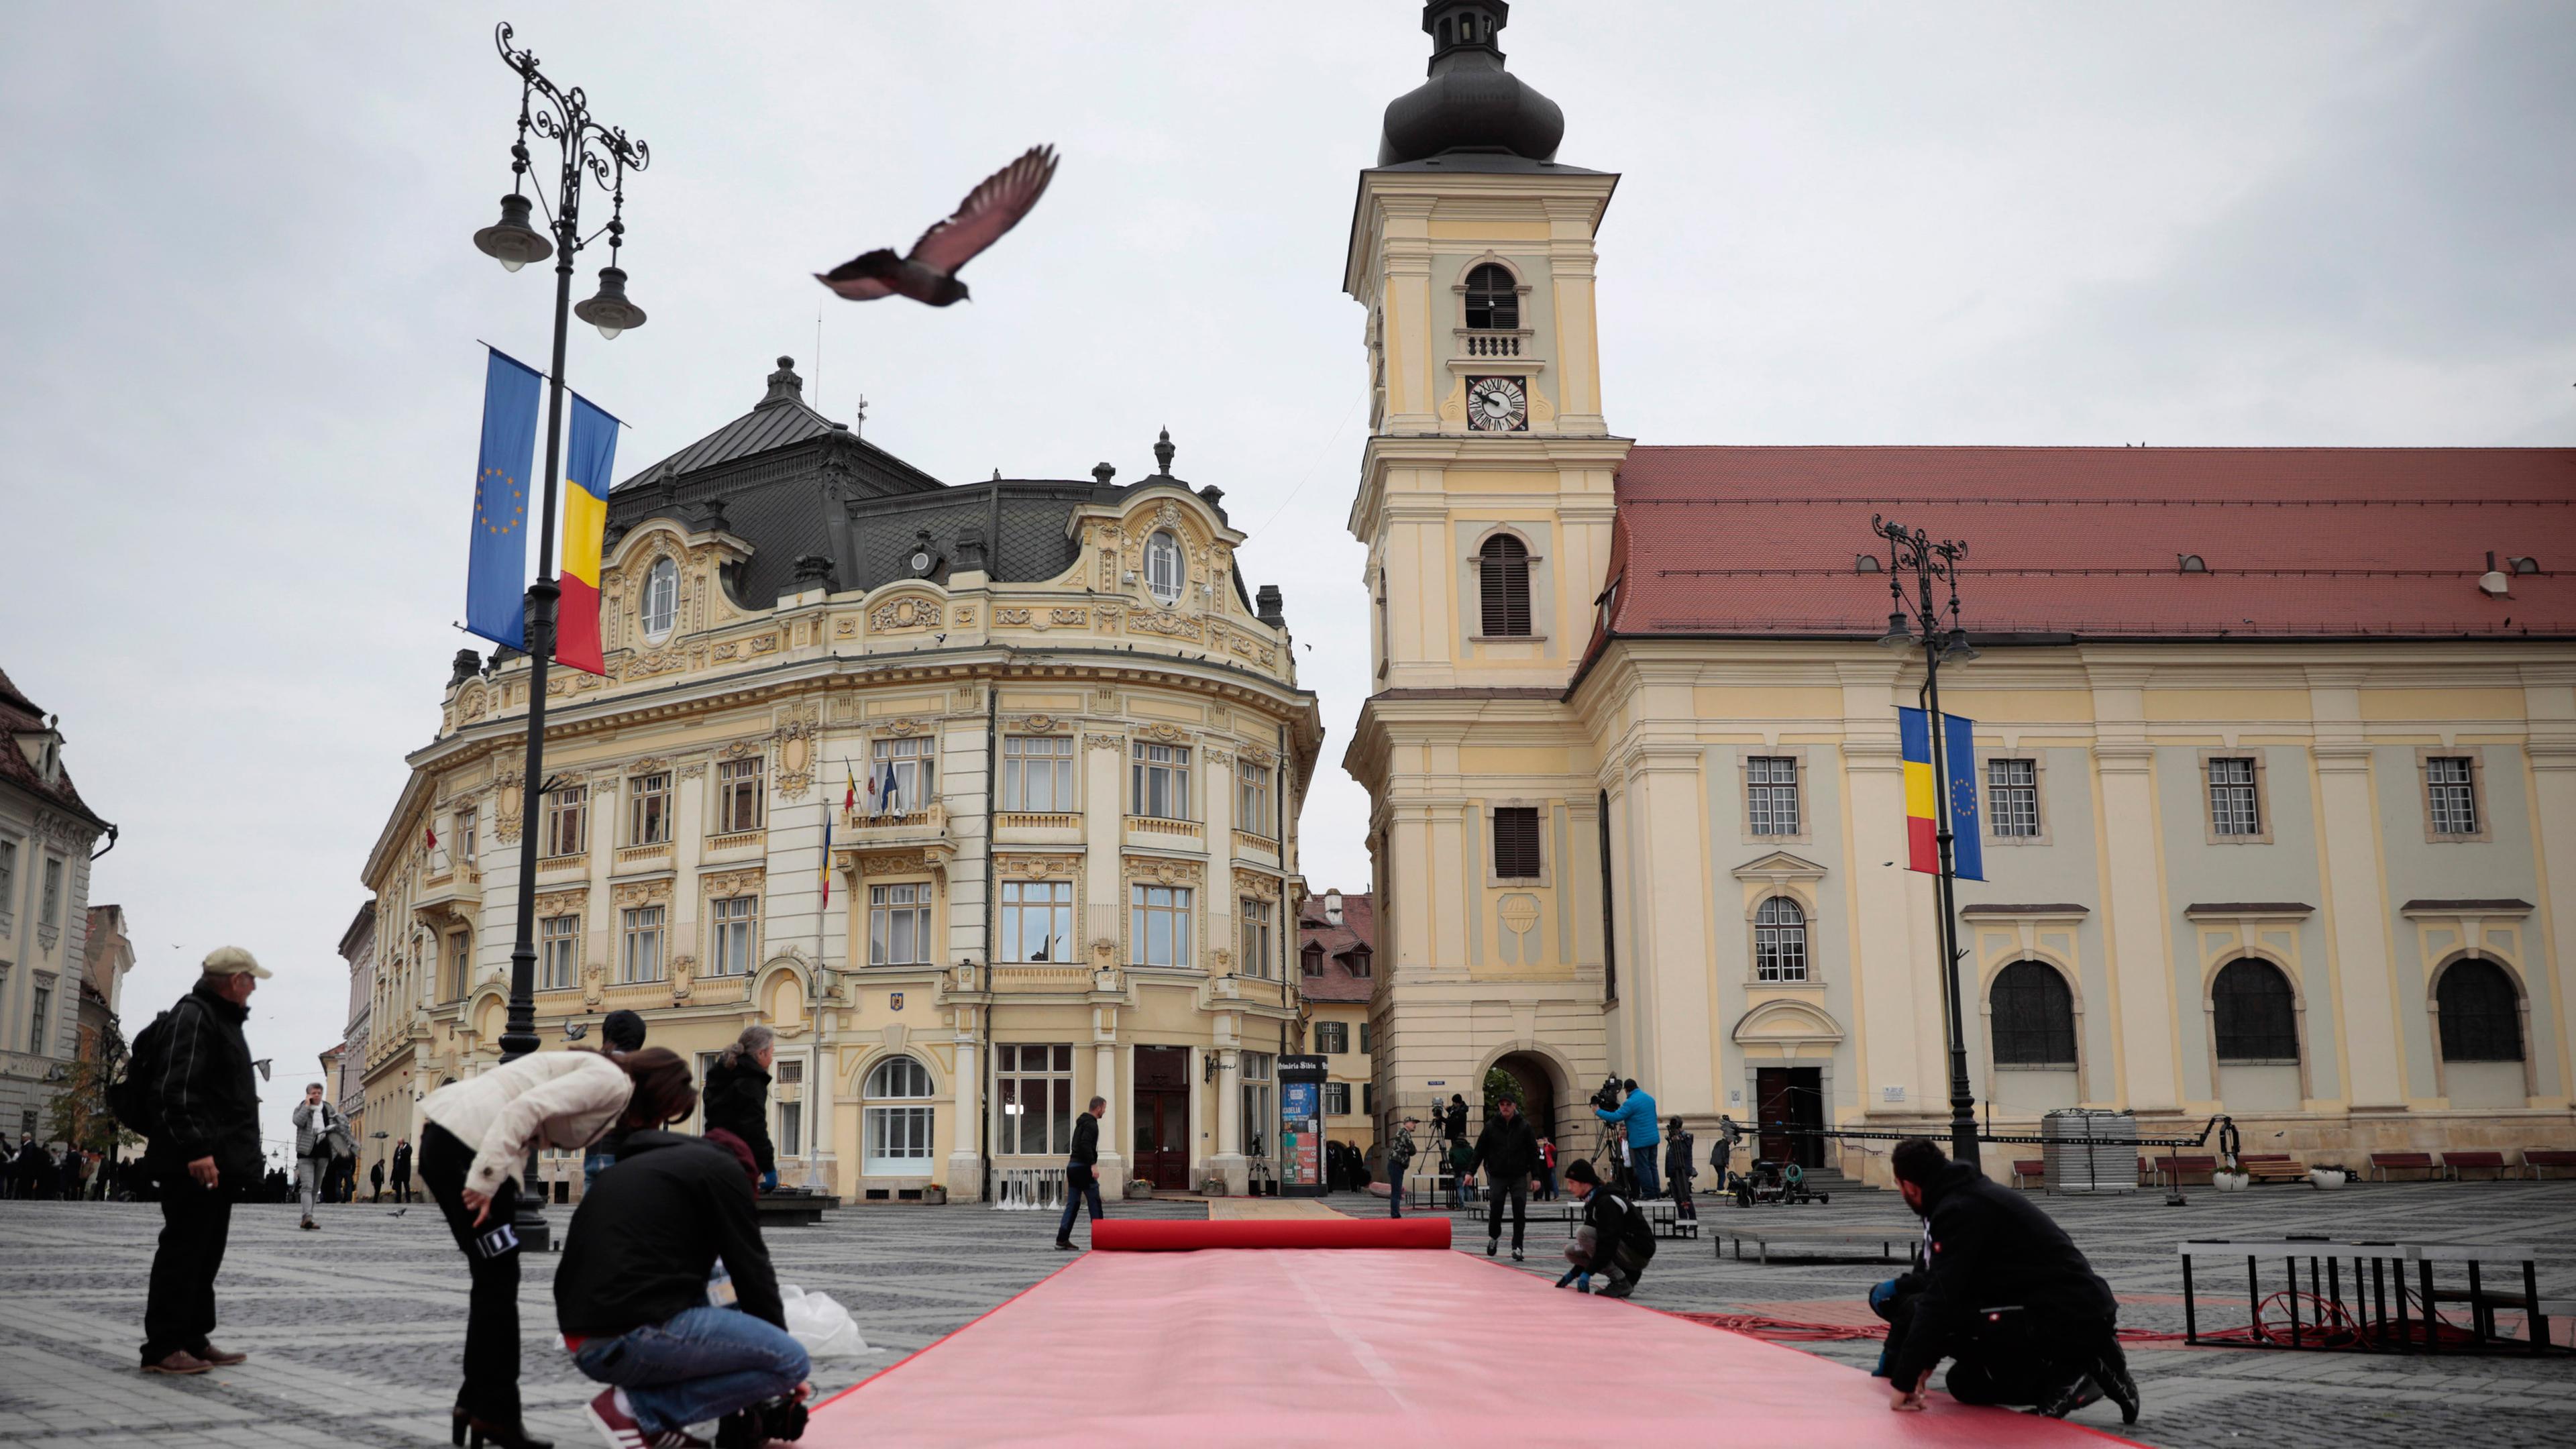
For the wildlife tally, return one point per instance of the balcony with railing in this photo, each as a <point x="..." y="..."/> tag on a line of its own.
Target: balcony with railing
<point x="1155" y="830"/>
<point x="907" y="827"/>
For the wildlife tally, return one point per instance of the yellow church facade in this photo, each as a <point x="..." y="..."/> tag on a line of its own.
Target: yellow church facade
<point x="2276" y="748"/>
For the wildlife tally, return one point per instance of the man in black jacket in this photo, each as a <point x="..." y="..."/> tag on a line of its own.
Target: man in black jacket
<point x="2006" y="1294"/>
<point x="631" y="1292"/>
<point x="1081" y="1171"/>
<point x="205" y="1151"/>
<point x="1508" y="1151"/>
<point x="1615" y="1239"/>
<point x="402" y="1170"/>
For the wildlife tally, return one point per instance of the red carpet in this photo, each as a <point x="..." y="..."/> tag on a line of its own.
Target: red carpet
<point x="1370" y="1346"/>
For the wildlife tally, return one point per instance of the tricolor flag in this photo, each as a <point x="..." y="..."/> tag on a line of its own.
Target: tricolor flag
<point x="849" y="796"/>
<point x="496" y="569"/>
<point x="1923" y="791"/>
<point x="827" y="859"/>
<point x="590" y="460"/>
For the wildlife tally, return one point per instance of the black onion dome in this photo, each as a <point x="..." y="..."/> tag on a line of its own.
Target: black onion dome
<point x="1470" y="103"/>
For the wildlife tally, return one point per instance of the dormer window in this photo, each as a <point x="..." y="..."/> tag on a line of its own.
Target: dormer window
<point x="1493" y="300"/>
<point x="1163" y="567"/>
<point x="661" y="603"/>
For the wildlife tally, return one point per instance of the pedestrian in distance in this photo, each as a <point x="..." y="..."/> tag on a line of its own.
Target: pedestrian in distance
<point x="1399" y="1162"/>
<point x="74" y="1171"/>
<point x="471" y="1155"/>
<point x="620" y="1032"/>
<point x="1636" y="1116"/>
<point x="1678" y="1167"/>
<point x="192" y="1098"/>
<point x="737" y="1095"/>
<point x="1081" y="1171"/>
<point x="314" y="1119"/>
<point x="376" y="1180"/>
<point x="2007" y="1296"/>
<point x="1547" y="1169"/>
<point x="631" y="1293"/>
<point x="1508" y="1151"/>
<point x="402" y="1170"/>
<point x="35" y="1169"/>
<point x="1614" y="1240"/>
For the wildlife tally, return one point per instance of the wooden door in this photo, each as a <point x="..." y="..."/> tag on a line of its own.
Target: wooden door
<point x="1788" y="1097"/>
<point x="1161" y="1112"/>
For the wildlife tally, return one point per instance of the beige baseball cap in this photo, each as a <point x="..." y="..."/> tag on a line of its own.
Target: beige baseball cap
<point x="234" y="961"/>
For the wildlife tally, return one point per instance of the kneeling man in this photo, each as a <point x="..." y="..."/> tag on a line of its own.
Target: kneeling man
<point x="1615" y="1240"/>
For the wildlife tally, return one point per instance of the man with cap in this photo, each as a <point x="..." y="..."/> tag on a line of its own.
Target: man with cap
<point x="205" y="1149"/>
<point x="1615" y="1240"/>
<point x="620" y="1033"/>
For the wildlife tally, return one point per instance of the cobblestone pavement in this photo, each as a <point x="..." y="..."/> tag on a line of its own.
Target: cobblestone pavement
<point x="354" y="1331"/>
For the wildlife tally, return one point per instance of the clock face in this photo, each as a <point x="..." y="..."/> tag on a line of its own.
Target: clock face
<point x="1497" y="405"/>
<point x="921" y="563"/>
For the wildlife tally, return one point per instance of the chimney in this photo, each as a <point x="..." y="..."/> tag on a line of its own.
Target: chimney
<point x="1270" y="607"/>
<point x="467" y="665"/>
<point x="784" y="386"/>
<point x="1333" y="906"/>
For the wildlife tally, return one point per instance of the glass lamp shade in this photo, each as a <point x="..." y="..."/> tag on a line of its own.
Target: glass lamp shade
<point x="511" y="241"/>
<point x="1898" y="637"/>
<point x="608" y="310"/>
<point x="1958" y="650"/>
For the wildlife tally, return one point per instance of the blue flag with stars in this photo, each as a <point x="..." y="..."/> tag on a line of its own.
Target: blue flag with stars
<point x="496" y="570"/>
<point x="1967" y="823"/>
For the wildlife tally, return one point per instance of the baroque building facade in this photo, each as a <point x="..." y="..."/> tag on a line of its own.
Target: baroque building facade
<point x="48" y="836"/>
<point x="2276" y="748"/>
<point x="984" y="797"/>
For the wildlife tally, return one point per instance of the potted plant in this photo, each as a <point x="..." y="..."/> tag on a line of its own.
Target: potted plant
<point x="2329" y="1175"/>
<point x="2230" y="1177"/>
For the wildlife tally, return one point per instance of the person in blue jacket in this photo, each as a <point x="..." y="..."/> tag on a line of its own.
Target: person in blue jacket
<point x="1638" y="1112"/>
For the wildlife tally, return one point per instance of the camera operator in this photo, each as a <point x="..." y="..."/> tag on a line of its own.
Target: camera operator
<point x="1637" y="1116"/>
<point x="1399" y="1161"/>
<point x="2007" y="1295"/>
<point x="1615" y="1239"/>
<point x="1722" y="1155"/>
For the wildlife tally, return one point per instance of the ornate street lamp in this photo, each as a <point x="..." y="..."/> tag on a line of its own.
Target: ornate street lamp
<point x="605" y="155"/>
<point x="1918" y="623"/>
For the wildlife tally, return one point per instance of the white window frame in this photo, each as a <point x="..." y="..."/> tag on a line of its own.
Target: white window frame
<point x="49" y="911"/>
<point x="460" y="963"/>
<point x="559" y="953"/>
<point x="898" y="1113"/>
<point x="1038" y="774"/>
<point x="1337" y="1099"/>
<point x="913" y="776"/>
<point x="742" y="795"/>
<point x="1171" y="906"/>
<point x="1043" y="1132"/>
<point x="1260" y="938"/>
<point x="1252" y="800"/>
<point x="1043" y="904"/>
<point x="733" y="935"/>
<point x="1771" y="785"/>
<point x="658" y="602"/>
<point x="640" y="956"/>
<point x="1779" y="946"/>
<point x="2465" y="786"/>
<point x="1260" y="1103"/>
<point x="567" y="822"/>
<point x="1332" y="1038"/>
<point x="39" y="1004"/>
<point x="894" y="908"/>
<point x="1158" y="780"/>
<point x="648" y="808"/>
<point x="464" y="828"/>
<point x="2251" y="809"/>
<point x="1166" y="570"/>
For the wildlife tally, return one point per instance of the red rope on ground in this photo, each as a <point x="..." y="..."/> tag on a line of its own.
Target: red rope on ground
<point x="1787" y="1330"/>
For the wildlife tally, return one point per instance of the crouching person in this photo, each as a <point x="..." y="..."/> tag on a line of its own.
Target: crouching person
<point x="631" y="1298"/>
<point x="1614" y="1241"/>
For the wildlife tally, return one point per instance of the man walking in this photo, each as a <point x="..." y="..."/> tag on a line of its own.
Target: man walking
<point x="376" y="1180"/>
<point x="314" y="1120"/>
<point x="1081" y="1178"/>
<point x="402" y="1170"/>
<point x="1508" y="1151"/>
<point x="1399" y="1161"/>
<point x="1637" y="1114"/>
<point x="203" y="1109"/>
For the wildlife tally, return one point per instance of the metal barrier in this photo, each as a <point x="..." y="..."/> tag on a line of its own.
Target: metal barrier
<point x="1028" y="1189"/>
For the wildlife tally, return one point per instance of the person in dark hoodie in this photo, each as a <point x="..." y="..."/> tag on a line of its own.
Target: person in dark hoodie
<point x="1508" y="1151"/>
<point x="2006" y="1295"/>
<point x="204" y="1154"/>
<point x="621" y="1032"/>
<point x="1082" y="1171"/>
<point x="631" y="1292"/>
<point x="1615" y="1239"/>
<point x="737" y="1095"/>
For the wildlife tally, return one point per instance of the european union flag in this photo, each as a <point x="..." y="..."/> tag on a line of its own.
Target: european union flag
<point x="496" y="571"/>
<point x="1967" y="823"/>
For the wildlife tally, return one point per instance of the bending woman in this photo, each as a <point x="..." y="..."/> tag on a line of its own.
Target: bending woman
<point x="471" y="1155"/>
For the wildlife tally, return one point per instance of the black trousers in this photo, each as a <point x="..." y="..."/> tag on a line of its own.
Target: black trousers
<point x="491" y="1390"/>
<point x="196" y="1221"/>
<point x="1518" y="1190"/>
<point x="2022" y="1357"/>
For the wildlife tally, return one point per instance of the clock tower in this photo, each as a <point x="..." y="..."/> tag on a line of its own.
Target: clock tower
<point x="1485" y="503"/>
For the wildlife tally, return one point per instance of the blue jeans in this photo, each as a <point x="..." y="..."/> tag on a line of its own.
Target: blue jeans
<point x="702" y="1364"/>
<point x="1641" y="1161"/>
<point x="1394" y="1191"/>
<point x="1081" y="1185"/>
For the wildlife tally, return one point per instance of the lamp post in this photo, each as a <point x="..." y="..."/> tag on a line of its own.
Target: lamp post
<point x="1917" y="623"/>
<point x="605" y="154"/>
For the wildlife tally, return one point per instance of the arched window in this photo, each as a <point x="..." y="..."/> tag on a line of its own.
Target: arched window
<point x="898" y="1120"/>
<point x="661" y="602"/>
<point x="2481" y="1013"/>
<point x="2034" y="1016"/>
<point x="1493" y="300"/>
<point x="1163" y="567"/>
<point x="2256" y="1017"/>
<point x="1779" y="941"/>
<point x="1503" y="574"/>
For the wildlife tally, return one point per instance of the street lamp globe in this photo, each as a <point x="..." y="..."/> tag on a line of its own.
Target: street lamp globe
<point x="1958" y="650"/>
<point x="608" y="310"/>
<point x="511" y="241"/>
<point x="1898" y="638"/>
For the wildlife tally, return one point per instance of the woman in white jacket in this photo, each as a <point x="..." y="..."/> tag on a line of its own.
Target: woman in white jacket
<point x="471" y="1155"/>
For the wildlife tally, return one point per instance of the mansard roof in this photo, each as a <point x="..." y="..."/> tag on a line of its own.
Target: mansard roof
<point x="2090" y="543"/>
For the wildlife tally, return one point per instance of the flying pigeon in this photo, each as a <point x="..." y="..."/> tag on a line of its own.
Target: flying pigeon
<point x="929" y="274"/>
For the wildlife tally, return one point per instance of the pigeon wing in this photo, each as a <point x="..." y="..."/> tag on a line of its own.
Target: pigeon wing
<point x="863" y="278"/>
<point x="988" y="211"/>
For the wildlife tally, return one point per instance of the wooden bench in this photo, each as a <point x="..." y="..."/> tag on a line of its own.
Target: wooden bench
<point x="1848" y="1240"/>
<point x="2536" y="1158"/>
<point x="2453" y="1163"/>
<point x="2385" y="1163"/>
<point x="1667" y="1220"/>
<point x="800" y="1210"/>
<point x="2154" y="1170"/>
<point x="2272" y="1167"/>
<point x="2033" y="1168"/>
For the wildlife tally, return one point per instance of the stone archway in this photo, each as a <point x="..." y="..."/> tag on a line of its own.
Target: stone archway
<point x="1539" y="1094"/>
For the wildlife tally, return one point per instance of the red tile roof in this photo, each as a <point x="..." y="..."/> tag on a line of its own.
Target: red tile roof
<point x="1356" y="937"/>
<point x="2299" y="542"/>
<point x="19" y="715"/>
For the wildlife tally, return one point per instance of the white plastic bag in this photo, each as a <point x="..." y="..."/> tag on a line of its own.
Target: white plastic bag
<point x="823" y="1326"/>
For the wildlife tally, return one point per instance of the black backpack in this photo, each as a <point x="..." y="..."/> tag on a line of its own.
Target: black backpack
<point x="130" y="1094"/>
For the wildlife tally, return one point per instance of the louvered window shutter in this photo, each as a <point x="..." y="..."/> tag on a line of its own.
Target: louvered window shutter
<point x="1516" y="843"/>
<point x="1504" y="577"/>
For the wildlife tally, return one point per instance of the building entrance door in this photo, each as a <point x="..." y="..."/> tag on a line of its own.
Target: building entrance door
<point x="1788" y="1097"/>
<point x="1161" y="1113"/>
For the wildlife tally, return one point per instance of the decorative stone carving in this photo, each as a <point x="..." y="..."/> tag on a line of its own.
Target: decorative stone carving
<point x="1011" y="616"/>
<point x="1071" y="618"/>
<point x="728" y="649"/>
<point x="649" y="764"/>
<point x="683" y="969"/>
<point x="1104" y="954"/>
<point x="1165" y="734"/>
<point x="660" y="661"/>
<point x="644" y="893"/>
<point x="594" y="983"/>
<point x="905" y="614"/>
<point x="1102" y="742"/>
<point x="1038" y="867"/>
<point x="795" y="737"/>
<point x="764" y="644"/>
<point x="1256" y="754"/>
<point x="740" y="748"/>
<point x="729" y="883"/>
<point x="845" y="627"/>
<point x="563" y="903"/>
<point x="1256" y="885"/>
<point x="1038" y="724"/>
<point x="694" y="770"/>
<point x="1221" y="959"/>
<point x="965" y="616"/>
<point x="1106" y="697"/>
<point x="1162" y="870"/>
<point x="903" y="727"/>
<point x="1170" y="626"/>
<point x="1218" y="757"/>
<point x="894" y="862"/>
<point x="506" y="804"/>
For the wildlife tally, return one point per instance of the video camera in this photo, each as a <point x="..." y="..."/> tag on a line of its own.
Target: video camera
<point x="1606" y="1096"/>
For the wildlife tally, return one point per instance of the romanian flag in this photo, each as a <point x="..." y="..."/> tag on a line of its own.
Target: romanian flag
<point x="827" y="860"/>
<point x="1924" y="789"/>
<point x="589" y="462"/>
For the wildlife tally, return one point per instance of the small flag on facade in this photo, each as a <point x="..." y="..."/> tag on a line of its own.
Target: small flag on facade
<point x="590" y="461"/>
<point x="849" y="796"/>
<point x="429" y="837"/>
<point x="496" y="569"/>
<point x="827" y="859"/>
<point x="886" y="797"/>
<point x="1967" y="826"/>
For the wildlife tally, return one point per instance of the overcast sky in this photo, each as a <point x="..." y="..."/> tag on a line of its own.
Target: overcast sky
<point x="239" y="381"/>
